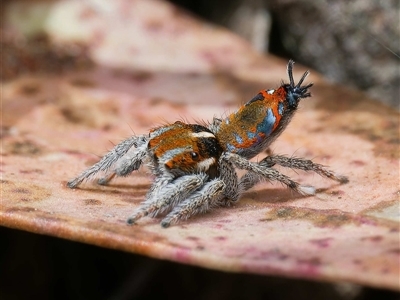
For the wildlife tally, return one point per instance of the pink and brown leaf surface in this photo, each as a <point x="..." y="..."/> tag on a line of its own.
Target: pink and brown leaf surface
<point x="54" y="126"/>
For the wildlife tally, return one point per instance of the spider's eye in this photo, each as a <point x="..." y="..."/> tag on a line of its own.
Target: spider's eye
<point x="194" y="155"/>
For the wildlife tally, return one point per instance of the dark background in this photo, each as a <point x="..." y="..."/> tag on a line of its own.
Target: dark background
<point x="41" y="267"/>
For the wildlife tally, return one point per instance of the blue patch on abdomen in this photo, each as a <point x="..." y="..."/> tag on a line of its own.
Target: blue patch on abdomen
<point x="238" y="139"/>
<point x="230" y="147"/>
<point x="251" y="135"/>
<point x="263" y="130"/>
<point x="280" y="108"/>
<point x="267" y="124"/>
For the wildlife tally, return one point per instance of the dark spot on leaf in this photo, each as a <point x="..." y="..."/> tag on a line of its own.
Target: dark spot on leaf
<point x="394" y="251"/>
<point x="375" y="238"/>
<point x="225" y="221"/>
<point x="338" y="192"/>
<point x="157" y="101"/>
<point x="106" y="127"/>
<point x="322" y="243"/>
<point x="20" y="209"/>
<point x="23" y="148"/>
<point x="29" y="89"/>
<point x="321" y="218"/>
<point x="357" y="163"/>
<point x="21" y="191"/>
<point x="154" y="25"/>
<point x="82" y="83"/>
<point x="313" y="261"/>
<point x="70" y="115"/>
<point x="394" y="141"/>
<point x="141" y="76"/>
<point x="5" y="131"/>
<point x="92" y="202"/>
<point x="334" y="219"/>
<point x="31" y="171"/>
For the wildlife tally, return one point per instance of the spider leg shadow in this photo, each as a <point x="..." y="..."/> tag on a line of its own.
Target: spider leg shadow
<point x="271" y="196"/>
<point x="276" y="195"/>
<point x="115" y="189"/>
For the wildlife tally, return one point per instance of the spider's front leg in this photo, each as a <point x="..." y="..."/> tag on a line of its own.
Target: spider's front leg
<point x="250" y="179"/>
<point x="221" y="191"/>
<point x="120" y="158"/>
<point x="166" y="193"/>
<point x="200" y="201"/>
<point x="264" y="172"/>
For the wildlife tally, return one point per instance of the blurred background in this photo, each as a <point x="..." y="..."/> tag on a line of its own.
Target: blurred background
<point x="354" y="43"/>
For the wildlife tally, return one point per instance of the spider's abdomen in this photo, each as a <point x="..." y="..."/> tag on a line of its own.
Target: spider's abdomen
<point x="256" y="124"/>
<point x="185" y="149"/>
<point x="247" y="131"/>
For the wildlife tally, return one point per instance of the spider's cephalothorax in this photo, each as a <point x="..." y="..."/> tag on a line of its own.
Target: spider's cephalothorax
<point x="194" y="166"/>
<point x="182" y="149"/>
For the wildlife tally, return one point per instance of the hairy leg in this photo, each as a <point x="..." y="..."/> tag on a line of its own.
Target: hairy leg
<point x="251" y="179"/>
<point x="302" y="164"/>
<point x="200" y="201"/>
<point x="130" y="162"/>
<point x="232" y="189"/>
<point x="166" y="194"/>
<point x="264" y="172"/>
<point x="112" y="157"/>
